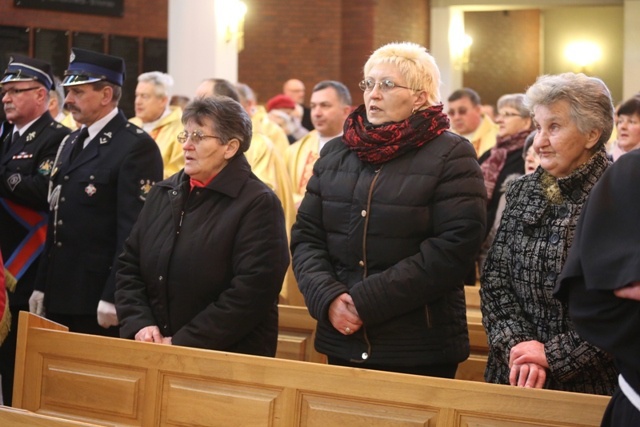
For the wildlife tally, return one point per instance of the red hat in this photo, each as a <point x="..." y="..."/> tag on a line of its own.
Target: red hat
<point x="280" y="101"/>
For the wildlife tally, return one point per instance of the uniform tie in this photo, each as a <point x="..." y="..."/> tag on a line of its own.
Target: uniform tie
<point x="15" y="137"/>
<point x="78" y="144"/>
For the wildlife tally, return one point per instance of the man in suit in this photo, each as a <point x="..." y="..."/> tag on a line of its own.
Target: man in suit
<point x="99" y="182"/>
<point x="27" y="153"/>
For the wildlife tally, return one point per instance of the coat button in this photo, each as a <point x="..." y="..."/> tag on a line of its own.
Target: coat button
<point x="62" y="199"/>
<point x="563" y="211"/>
<point x="361" y="263"/>
<point x="551" y="276"/>
<point x="66" y="177"/>
<point x="174" y="192"/>
<point x="160" y="278"/>
<point x="60" y="222"/>
<point x="92" y="177"/>
<point x="59" y="244"/>
<point x="363" y="213"/>
<point x="365" y="356"/>
<point x="554" y="239"/>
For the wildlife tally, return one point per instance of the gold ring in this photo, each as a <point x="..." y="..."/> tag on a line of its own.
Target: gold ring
<point x="347" y="331"/>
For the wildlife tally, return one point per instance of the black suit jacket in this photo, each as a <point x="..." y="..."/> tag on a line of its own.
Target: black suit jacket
<point x="95" y="201"/>
<point x="25" y="167"/>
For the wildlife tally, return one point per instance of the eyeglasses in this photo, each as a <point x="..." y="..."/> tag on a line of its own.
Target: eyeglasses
<point x="386" y="85"/>
<point x="14" y="92"/>
<point x="459" y="111"/>
<point x="196" y="137"/>
<point x="505" y="115"/>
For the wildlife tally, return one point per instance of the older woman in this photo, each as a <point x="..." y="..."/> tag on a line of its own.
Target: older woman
<point x="384" y="234"/>
<point x="601" y="281"/>
<point x="532" y="342"/>
<point x="628" y="127"/>
<point x="204" y="263"/>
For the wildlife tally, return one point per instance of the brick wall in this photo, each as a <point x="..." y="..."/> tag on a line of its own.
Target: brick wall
<point x="505" y="55"/>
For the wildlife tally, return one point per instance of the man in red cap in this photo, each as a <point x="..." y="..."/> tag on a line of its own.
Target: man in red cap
<point x="99" y="182"/>
<point x="26" y="160"/>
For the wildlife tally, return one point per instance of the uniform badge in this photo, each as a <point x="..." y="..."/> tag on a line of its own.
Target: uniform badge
<point x="45" y="167"/>
<point x="22" y="155"/>
<point x="90" y="190"/>
<point x="145" y="187"/>
<point x="30" y="136"/>
<point x="107" y="137"/>
<point x="14" y="180"/>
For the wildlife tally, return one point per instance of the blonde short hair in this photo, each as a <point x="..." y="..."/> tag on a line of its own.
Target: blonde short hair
<point x="415" y="64"/>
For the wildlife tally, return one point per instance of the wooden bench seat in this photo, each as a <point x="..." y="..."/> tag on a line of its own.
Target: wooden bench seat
<point x="113" y="381"/>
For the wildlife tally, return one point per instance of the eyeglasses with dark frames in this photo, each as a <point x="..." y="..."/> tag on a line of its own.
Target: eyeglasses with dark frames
<point x="196" y="137"/>
<point x="16" y="91"/>
<point x="385" y="85"/>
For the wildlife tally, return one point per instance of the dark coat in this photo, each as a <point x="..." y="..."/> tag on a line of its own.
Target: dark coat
<point x="606" y="256"/>
<point x="25" y="167"/>
<point x="399" y="239"/>
<point x="101" y="194"/>
<point x="528" y="253"/>
<point x="207" y="266"/>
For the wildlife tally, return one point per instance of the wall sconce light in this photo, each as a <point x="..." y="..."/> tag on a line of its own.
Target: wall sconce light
<point x="233" y="14"/>
<point x="583" y="54"/>
<point x="461" y="50"/>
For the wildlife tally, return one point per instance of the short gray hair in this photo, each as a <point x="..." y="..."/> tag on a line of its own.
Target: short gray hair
<point x="162" y="82"/>
<point x="591" y="106"/>
<point x="515" y="101"/>
<point x="228" y="116"/>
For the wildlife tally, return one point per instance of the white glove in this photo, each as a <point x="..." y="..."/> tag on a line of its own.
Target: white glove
<point x="36" y="303"/>
<point x="107" y="314"/>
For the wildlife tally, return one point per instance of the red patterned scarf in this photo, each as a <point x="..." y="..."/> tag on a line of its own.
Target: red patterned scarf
<point x="492" y="165"/>
<point x="379" y="144"/>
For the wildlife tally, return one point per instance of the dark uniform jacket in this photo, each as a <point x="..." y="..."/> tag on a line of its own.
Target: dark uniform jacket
<point x="25" y="167"/>
<point x="207" y="266"/>
<point x="95" y="201"/>
<point x="399" y="239"/>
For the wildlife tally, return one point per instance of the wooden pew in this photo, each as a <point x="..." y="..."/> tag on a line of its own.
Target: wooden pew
<point x="297" y="333"/>
<point x="12" y="417"/>
<point x="115" y="381"/>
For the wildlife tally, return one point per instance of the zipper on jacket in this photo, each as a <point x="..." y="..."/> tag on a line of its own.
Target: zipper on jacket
<point x="366" y="223"/>
<point x="427" y="315"/>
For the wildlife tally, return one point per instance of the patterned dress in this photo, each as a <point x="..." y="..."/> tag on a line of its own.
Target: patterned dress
<point x="519" y="275"/>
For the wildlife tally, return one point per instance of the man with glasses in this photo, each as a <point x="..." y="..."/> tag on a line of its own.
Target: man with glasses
<point x="26" y="159"/>
<point x="99" y="182"/>
<point x="467" y="119"/>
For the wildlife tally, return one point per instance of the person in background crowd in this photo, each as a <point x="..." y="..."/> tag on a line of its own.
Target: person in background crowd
<point x="295" y="89"/>
<point x="628" y="126"/>
<point x="260" y="120"/>
<point x="26" y="161"/>
<point x="179" y="101"/>
<point x="281" y="110"/>
<point x="467" y="119"/>
<point x="601" y="281"/>
<point x="330" y="107"/>
<point x="504" y="161"/>
<point x="56" y="106"/>
<point x="216" y="289"/>
<point x="156" y="117"/>
<point x="532" y="341"/>
<point x="384" y="235"/>
<point x="100" y="179"/>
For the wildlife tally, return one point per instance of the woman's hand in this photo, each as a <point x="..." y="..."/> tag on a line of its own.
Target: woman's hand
<point x="528" y="375"/>
<point x="631" y="291"/>
<point x="528" y="363"/>
<point x="150" y="334"/>
<point x="343" y="315"/>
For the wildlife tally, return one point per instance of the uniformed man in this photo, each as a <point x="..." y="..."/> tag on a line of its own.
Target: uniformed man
<point x="26" y="159"/>
<point x="100" y="178"/>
